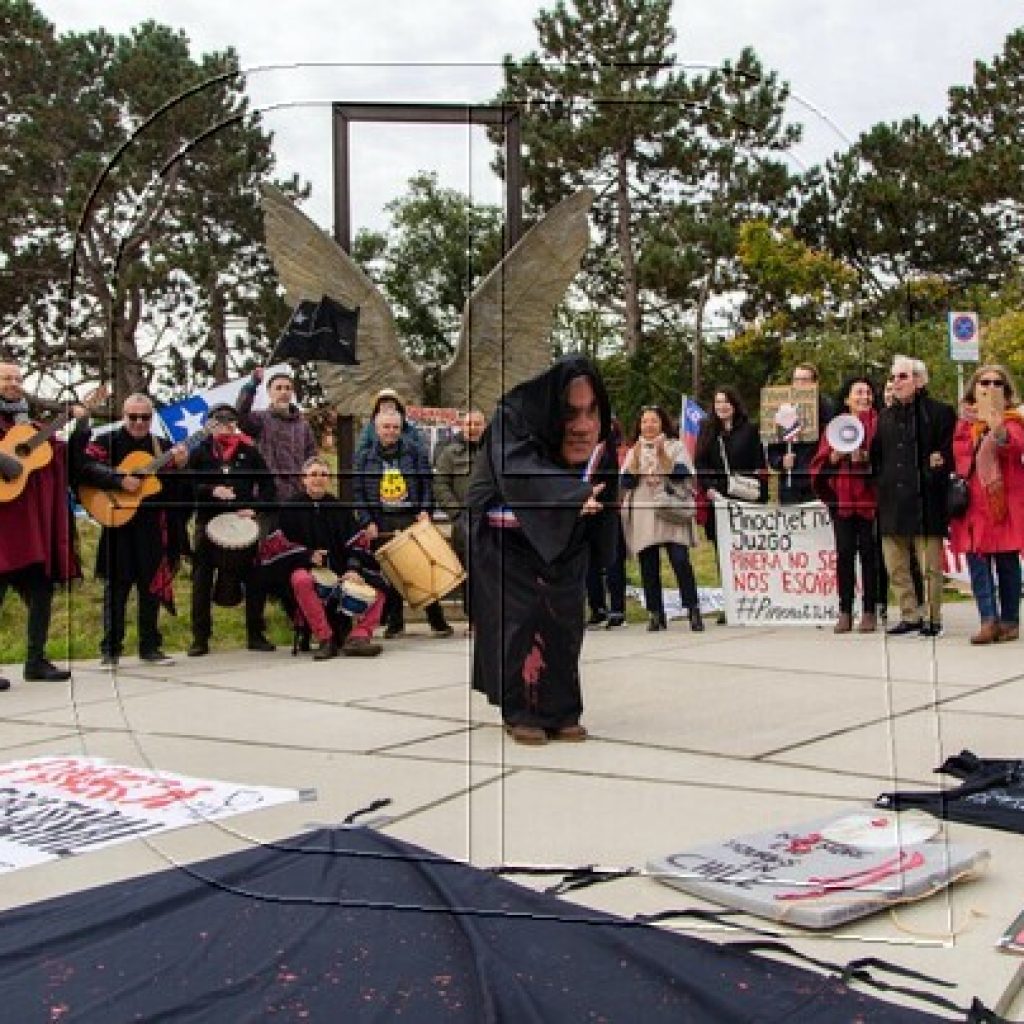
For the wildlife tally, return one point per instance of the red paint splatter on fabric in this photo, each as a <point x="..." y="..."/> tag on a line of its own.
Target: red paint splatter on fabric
<point x="533" y="667"/>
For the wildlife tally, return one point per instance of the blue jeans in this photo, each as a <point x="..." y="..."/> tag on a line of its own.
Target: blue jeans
<point x="1007" y="571"/>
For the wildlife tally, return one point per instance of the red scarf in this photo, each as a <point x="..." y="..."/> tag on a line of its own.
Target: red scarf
<point x="226" y="445"/>
<point x="990" y="473"/>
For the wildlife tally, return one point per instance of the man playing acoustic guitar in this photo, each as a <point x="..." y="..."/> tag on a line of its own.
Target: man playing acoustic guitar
<point x="35" y="530"/>
<point x="144" y="551"/>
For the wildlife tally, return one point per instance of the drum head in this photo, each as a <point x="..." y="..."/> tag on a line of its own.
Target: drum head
<point x="232" y="531"/>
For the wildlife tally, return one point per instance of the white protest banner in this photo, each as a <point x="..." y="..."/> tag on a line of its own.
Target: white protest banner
<point x="778" y="564"/>
<point x="52" y="807"/>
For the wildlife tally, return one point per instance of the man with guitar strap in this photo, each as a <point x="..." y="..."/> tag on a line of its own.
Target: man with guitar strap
<point x="144" y="515"/>
<point x="36" y="548"/>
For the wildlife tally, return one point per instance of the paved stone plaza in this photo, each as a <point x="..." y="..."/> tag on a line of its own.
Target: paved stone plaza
<point x="695" y="737"/>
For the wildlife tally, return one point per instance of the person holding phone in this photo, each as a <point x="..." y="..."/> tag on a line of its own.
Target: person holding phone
<point x="987" y="445"/>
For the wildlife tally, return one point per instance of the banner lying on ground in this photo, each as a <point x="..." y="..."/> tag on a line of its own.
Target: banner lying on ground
<point x="778" y="563"/>
<point x="54" y="807"/>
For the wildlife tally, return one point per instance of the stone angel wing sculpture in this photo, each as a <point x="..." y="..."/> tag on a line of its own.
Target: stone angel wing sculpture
<point x="506" y="325"/>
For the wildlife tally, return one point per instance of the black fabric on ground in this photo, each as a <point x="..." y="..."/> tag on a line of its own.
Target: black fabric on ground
<point x="351" y="925"/>
<point x="991" y="794"/>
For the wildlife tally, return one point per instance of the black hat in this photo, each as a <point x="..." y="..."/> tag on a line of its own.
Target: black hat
<point x="223" y="412"/>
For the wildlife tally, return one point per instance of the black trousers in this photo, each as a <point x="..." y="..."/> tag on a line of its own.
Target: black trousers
<point x="613" y="575"/>
<point x="36" y="590"/>
<point x="856" y="537"/>
<point x="203" y="575"/>
<point x="650" y="576"/>
<point x="115" y="603"/>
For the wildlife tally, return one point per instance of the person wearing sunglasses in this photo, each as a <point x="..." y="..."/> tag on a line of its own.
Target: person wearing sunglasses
<point x="911" y="459"/>
<point x="144" y="553"/>
<point x="987" y="445"/>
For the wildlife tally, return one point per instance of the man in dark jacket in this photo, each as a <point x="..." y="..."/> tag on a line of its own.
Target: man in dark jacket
<point x="452" y="466"/>
<point x="144" y="552"/>
<point x="793" y="461"/>
<point x="392" y="490"/>
<point x="911" y="458"/>
<point x="229" y="475"/>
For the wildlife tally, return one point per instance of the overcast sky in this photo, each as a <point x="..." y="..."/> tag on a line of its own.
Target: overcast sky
<point x="850" y="64"/>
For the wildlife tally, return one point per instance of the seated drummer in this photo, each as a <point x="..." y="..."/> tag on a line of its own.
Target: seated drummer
<point x="229" y="475"/>
<point x="316" y="519"/>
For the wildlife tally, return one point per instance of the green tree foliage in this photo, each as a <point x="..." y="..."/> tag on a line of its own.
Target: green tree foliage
<point x="724" y="166"/>
<point x="165" y="240"/>
<point x="438" y="247"/>
<point x="985" y="127"/>
<point x="596" y="106"/>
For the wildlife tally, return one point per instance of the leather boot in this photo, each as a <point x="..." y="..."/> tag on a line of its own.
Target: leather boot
<point x="1008" y="631"/>
<point x="696" y="620"/>
<point x="868" y="623"/>
<point x="844" y="623"/>
<point x="987" y="634"/>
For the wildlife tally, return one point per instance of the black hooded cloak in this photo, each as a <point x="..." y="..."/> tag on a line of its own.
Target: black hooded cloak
<point x="528" y="580"/>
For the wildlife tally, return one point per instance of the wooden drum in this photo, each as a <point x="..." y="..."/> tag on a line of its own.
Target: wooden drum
<point x="421" y="564"/>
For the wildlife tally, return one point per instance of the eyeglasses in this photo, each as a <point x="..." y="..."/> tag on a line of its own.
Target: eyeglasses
<point x="991" y="382"/>
<point x="902" y="375"/>
<point x="138" y="417"/>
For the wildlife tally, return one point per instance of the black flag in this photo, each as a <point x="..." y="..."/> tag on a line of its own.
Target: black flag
<point x="324" y="330"/>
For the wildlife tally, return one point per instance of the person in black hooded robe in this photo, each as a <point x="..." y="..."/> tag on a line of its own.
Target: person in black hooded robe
<point x="537" y="508"/>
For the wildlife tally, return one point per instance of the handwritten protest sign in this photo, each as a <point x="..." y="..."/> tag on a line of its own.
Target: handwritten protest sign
<point x="53" y="807"/>
<point x="778" y="564"/>
<point x="789" y="414"/>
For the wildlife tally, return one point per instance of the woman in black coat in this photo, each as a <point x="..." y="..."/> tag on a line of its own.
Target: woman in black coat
<point x="728" y="436"/>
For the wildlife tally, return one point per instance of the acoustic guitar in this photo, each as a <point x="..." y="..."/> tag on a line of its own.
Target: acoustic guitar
<point x="26" y="448"/>
<point x="116" y="507"/>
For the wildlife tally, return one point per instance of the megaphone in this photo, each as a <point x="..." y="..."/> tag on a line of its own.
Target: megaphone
<point x="845" y="433"/>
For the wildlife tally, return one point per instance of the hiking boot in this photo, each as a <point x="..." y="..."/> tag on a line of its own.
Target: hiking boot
<point x="45" y="671"/>
<point x="868" y="623"/>
<point x="844" y="623"/>
<point x="326" y="650"/>
<point x="902" y="628"/>
<point x="360" y="647"/>
<point x="156" y="657"/>
<point x="528" y="735"/>
<point x="569" y="734"/>
<point x="987" y="634"/>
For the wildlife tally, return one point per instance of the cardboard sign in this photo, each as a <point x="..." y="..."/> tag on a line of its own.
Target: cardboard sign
<point x="797" y="875"/>
<point x="57" y="806"/>
<point x="789" y="414"/>
<point x="777" y="563"/>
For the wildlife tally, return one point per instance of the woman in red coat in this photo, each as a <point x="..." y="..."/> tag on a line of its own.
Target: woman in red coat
<point x="991" y="533"/>
<point x="843" y="481"/>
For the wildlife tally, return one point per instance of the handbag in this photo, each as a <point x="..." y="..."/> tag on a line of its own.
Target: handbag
<point x="739" y="486"/>
<point x="958" y="495"/>
<point x="674" y="508"/>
